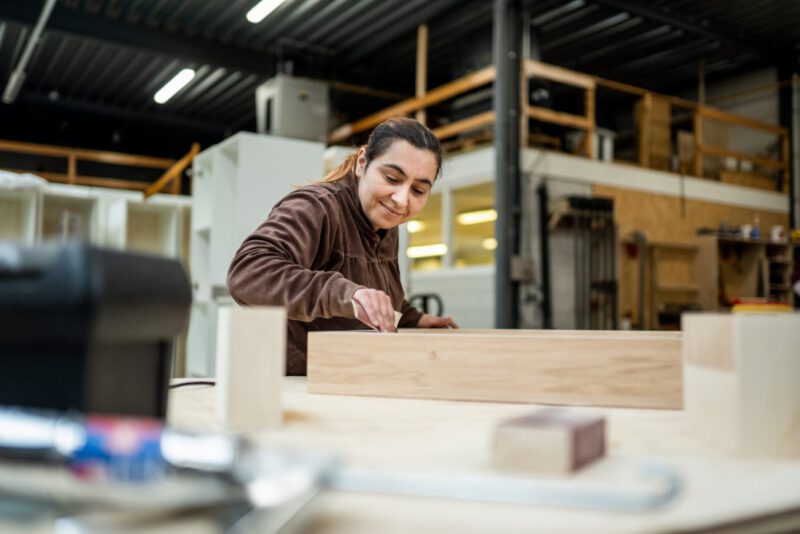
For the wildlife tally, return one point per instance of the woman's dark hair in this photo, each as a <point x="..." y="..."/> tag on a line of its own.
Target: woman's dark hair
<point x="382" y="137"/>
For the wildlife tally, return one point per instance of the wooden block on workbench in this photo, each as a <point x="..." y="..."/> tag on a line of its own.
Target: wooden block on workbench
<point x="598" y="368"/>
<point x="251" y="351"/>
<point x="742" y="381"/>
<point x="551" y="440"/>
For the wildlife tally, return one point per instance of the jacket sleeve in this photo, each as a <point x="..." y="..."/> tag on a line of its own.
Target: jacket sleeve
<point x="274" y="265"/>
<point x="411" y="315"/>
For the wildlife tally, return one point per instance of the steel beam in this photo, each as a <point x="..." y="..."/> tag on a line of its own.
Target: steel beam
<point x="507" y="51"/>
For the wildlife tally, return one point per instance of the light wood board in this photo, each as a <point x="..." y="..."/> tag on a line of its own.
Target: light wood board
<point x="593" y="368"/>
<point x="721" y="492"/>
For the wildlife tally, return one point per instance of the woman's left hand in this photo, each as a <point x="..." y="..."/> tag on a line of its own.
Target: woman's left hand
<point x="433" y="321"/>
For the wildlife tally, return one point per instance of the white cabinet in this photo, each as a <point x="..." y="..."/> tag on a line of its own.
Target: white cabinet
<point x="19" y="215"/>
<point x="69" y="212"/>
<point x="234" y="186"/>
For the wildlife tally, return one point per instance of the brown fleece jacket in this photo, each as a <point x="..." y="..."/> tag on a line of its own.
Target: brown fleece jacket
<point x="314" y="251"/>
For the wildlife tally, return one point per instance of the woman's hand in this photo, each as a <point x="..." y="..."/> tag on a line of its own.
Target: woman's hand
<point x="374" y="308"/>
<point x="433" y="321"/>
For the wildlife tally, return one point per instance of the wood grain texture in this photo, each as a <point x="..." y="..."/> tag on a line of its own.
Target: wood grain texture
<point x="742" y="379"/>
<point x="630" y="369"/>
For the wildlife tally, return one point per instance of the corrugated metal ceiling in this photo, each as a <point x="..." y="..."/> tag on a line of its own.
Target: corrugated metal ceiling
<point x="110" y="56"/>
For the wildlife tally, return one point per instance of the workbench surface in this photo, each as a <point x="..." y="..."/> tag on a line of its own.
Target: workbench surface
<point x="455" y="437"/>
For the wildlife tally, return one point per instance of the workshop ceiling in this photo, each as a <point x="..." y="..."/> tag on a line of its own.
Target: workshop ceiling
<point x="106" y="58"/>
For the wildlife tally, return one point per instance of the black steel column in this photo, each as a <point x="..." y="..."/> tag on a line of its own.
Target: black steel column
<point x="786" y="110"/>
<point x="507" y="48"/>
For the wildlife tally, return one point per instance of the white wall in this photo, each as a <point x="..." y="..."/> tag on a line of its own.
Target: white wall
<point x="467" y="294"/>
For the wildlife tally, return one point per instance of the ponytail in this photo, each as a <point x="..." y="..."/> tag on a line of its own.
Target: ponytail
<point x="345" y="168"/>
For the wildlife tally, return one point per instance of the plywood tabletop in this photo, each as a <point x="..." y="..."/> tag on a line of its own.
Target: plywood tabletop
<point x="455" y="437"/>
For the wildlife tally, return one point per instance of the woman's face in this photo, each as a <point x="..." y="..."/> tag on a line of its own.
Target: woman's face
<point x="395" y="186"/>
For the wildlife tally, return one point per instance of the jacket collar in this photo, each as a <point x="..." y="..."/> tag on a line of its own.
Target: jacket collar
<point x="350" y="186"/>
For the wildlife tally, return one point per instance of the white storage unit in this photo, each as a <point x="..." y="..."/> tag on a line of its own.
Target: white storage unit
<point x="235" y="185"/>
<point x="69" y="212"/>
<point x="19" y="215"/>
<point x="153" y="226"/>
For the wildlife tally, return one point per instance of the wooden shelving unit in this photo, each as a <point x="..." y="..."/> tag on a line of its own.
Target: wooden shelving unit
<point x="729" y="268"/>
<point x="671" y="289"/>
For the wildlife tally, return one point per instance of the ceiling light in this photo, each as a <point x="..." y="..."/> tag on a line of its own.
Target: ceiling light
<point x="415" y="226"/>
<point x="260" y="11"/>
<point x="172" y="87"/>
<point x="427" y="251"/>
<point x="489" y="243"/>
<point x="475" y="217"/>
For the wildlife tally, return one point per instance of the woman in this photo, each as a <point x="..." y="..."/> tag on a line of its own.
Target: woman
<point x="328" y="251"/>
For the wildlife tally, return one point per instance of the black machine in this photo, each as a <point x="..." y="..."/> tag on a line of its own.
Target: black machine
<point x="88" y="329"/>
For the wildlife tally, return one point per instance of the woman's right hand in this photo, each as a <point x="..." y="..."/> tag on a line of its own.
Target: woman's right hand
<point x="374" y="308"/>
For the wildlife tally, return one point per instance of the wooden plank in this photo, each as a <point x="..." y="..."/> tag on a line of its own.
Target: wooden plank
<point x="559" y="117"/>
<point x="368" y="91"/>
<point x="589" y="107"/>
<point x="558" y="74"/>
<point x="715" y="114"/>
<point x="72" y="168"/>
<point x="698" y="142"/>
<point x="115" y="158"/>
<point x="174" y="172"/>
<point x="251" y="344"/>
<point x="645" y="124"/>
<point x="422" y="68"/>
<point x="129" y="160"/>
<point x="99" y="181"/>
<point x="470" y="123"/>
<point x="434" y="96"/>
<point x="743" y="382"/>
<point x="625" y="88"/>
<point x="724" y="153"/>
<point x="630" y="369"/>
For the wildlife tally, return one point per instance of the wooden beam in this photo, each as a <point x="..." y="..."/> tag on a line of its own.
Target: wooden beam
<point x="600" y="368"/>
<point x="470" y="123"/>
<point x="698" y="142"/>
<point x="115" y="158"/>
<point x="368" y="91"/>
<point x="558" y="74"/>
<point x="625" y="88"/>
<point x="174" y="172"/>
<point x="440" y="94"/>
<point x="715" y="114"/>
<point x="559" y="117"/>
<point x="589" y="107"/>
<point x="72" y="168"/>
<point x="95" y="181"/>
<point x="724" y="153"/>
<point x="422" y="68"/>
<point x="645" y="130"/>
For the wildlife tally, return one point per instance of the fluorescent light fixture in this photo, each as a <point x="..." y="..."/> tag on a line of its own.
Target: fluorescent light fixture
<point x="415" y="226"/>
<point x="489" y="243"/>
<point x="427" y="251"/>
<point x="172" y="87"/>
<point x="260" y="11"/>
<point x="476" y="217"/>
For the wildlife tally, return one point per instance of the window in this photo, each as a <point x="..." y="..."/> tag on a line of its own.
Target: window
<point x="426" y="247"/>
<point x="473" y="225"/>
